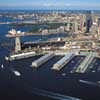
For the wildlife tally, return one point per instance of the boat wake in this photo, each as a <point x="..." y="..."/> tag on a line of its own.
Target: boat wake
<point x="89" y="83"/>
<point x="52" y="95"/>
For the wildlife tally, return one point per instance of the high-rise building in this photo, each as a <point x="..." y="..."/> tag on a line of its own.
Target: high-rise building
<point x="98" y="21"/>
<point x="88" y="21"/>
<point x="82" y="23"/>
<point x="75" y="26"/>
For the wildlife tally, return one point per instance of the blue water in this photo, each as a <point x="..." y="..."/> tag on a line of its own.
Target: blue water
<point x="44" y="78"/>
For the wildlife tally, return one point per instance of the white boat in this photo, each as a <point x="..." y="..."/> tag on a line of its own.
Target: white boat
<point x="6" y="58"/>
<point x="2" y="66"/>
<point x="17" y="73"/>
<point x="63" y="74"/>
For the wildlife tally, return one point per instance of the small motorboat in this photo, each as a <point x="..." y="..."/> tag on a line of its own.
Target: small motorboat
<point x="2" y="66"/>
<point x="17" y="73"/>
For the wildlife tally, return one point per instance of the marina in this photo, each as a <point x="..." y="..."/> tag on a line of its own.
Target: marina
<point x="68" y="63"/>
<point x="40" y="76"/>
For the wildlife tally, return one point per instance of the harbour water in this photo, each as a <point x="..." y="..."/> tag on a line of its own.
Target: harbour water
<point x="23" y="87"/>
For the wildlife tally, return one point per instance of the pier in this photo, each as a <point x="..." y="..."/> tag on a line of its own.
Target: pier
<point x="84" y="65"/>
<point x="42" y="60"/>
<point x="20" y="56"/>
<point x="61" y="63"/>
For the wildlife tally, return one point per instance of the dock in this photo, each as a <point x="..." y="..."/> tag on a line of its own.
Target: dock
<point x="61" y="63"/>
<point x="84" y="65"/>
<point x="20" y="55"/>
<point x="42" y="60"/>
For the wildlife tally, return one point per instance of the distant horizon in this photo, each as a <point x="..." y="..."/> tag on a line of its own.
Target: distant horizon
<point x="50" y="4"/>
<point x="2" y="8"/>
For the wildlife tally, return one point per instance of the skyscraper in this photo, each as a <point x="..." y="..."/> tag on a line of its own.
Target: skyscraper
<point x="88" y="21"/>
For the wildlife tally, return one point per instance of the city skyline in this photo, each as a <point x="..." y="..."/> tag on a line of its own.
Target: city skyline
<point x="50" y="4"/>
